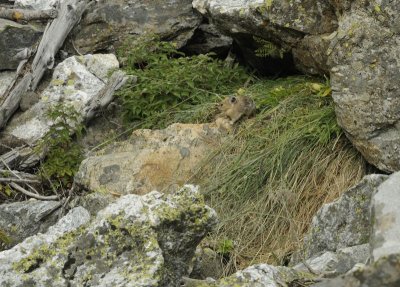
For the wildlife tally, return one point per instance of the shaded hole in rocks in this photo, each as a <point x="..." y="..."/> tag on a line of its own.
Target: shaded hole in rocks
<point x="245" y="46"/>
<point x="34" y="266"/>
<point x="67" y="271"/>
<point x="126" y="248"/>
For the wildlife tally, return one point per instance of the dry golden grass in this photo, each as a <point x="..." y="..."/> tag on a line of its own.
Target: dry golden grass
<point x="270" y="178"/>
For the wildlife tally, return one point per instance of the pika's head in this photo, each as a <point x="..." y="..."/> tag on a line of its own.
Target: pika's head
<point x="227" y="103"/>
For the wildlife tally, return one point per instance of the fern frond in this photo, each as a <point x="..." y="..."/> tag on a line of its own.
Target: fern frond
<point x="268" y="49"/>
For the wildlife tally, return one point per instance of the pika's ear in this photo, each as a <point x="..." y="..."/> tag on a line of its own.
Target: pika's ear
<point x="232" y="99"/>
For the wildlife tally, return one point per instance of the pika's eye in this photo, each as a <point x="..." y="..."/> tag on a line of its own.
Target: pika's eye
<point x="232" y="100"/>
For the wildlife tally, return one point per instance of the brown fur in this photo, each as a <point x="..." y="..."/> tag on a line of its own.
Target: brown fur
<point x="232" y="109"/>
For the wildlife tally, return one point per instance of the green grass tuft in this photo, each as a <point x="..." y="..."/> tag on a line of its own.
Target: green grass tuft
<point x="270" y="178"/>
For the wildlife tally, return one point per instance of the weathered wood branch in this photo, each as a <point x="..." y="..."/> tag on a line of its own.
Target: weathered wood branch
<point x="23" y="180"/>
<point x="21" y="158"/>
<point x="27" y="15"/>
<point x="25" y="157"/>
<point x="69" y="14"/>
<point x="33" y="195"/>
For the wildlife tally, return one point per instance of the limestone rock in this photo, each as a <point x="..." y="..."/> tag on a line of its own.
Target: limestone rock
<point x="149" y="160"/>
<point x="14" y="38"/>
<point x="92" y="202"/>
<point x="5" y="80"/>
<point x="206" y="39"/>
<point x="28" y="253"/>
<point x="36" y="4"/>
<point x="261" y="275"/>
<point x="109" y="22"/>
<point x="310" y="54"/>
<point x="284" y="23"/>
<point x="384" y="272"/>
<point x="136" y="241"/>
<point x="386" y="218"/>
<point x="75" y="81"/>
<point x="331" y="264"/>
<point x="207" y="264"/>
<point x="364" y="77"/>
<point x="343" y="223"/>
<point x="20" y="220"/>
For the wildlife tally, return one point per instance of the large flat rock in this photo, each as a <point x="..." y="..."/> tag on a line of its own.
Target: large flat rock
<point x="110" y="22"/>
<point x="15" y="37"/>
<point x="149" y="160"/>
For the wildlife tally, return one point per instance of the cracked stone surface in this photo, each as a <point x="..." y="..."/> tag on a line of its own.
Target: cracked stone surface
<point x="109" y="23"/>
<point x="74" y="82"/>
<point x="135" y="241"/>
<point x="150" y="160"/>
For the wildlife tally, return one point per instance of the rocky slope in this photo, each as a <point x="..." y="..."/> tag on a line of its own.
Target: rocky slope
<point x="123" y="232"/>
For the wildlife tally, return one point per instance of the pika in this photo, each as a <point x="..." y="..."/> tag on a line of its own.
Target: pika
<point x="232" y="109"/>
<point x="236" y="107"/>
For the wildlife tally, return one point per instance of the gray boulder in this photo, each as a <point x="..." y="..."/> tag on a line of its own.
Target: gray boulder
<point x="20" y="220"/>
<point x="386" y="218"/>
<point x="92" y="202"/>
<point x="364" y="76"/>
<point x="135" y="241"/>
<point x="284" y="23"/>
<point x="331" y="264"/>
<point x="149" y="160"/>
<point x="208" y="39"/>
<point x="29" y="254"/>
<point x="14" y="38"/>
<point x="207" y="264"/>
<point x="261" y="275"/>
<point x="5" y="80"/>
<point x="36" y="4"/>
<point x="111" y="22"/>
<point x="75" y="82"/>
<point x="383" y="273"/>
<point x="343" y="223"/>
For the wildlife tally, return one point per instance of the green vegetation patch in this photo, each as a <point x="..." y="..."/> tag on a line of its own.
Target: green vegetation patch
<point x="269" y="179"/>
<point x="170" y="84"/>
<point x="64" y="154"/>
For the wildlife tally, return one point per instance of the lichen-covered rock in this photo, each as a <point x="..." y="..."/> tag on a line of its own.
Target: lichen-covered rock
<point x="20" y="220"/>
<point x="206" y="39"/>
<point x="75" y="81"/>
<point x="310" y="55"/>
<point x="364" y="78"/>
<point x="383" y="273"/>
<point x="207" y="264"/>
<point x="331" y="264"/>
<point x="135" y="241"/>
<point x="15" y="37"/>
<point x="92" y="202"/>
<point x="111" y="22"/>
<point x="149" y="160"/>
<point x="5" y="80"/>
<point x="386" y="218"/>
<point x="284" y="23"/>
<point x="36" y="4"/>
<point x="261" y="275"/>
<point x="343" y="223"/>
<point x="28" y="255"/>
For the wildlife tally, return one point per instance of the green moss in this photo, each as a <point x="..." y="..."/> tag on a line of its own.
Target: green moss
<point x="34" y="260"/>
<point x="4" y="238"/>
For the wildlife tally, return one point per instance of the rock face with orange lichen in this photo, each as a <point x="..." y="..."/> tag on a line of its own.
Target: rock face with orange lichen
<point x="149" y="160"/>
